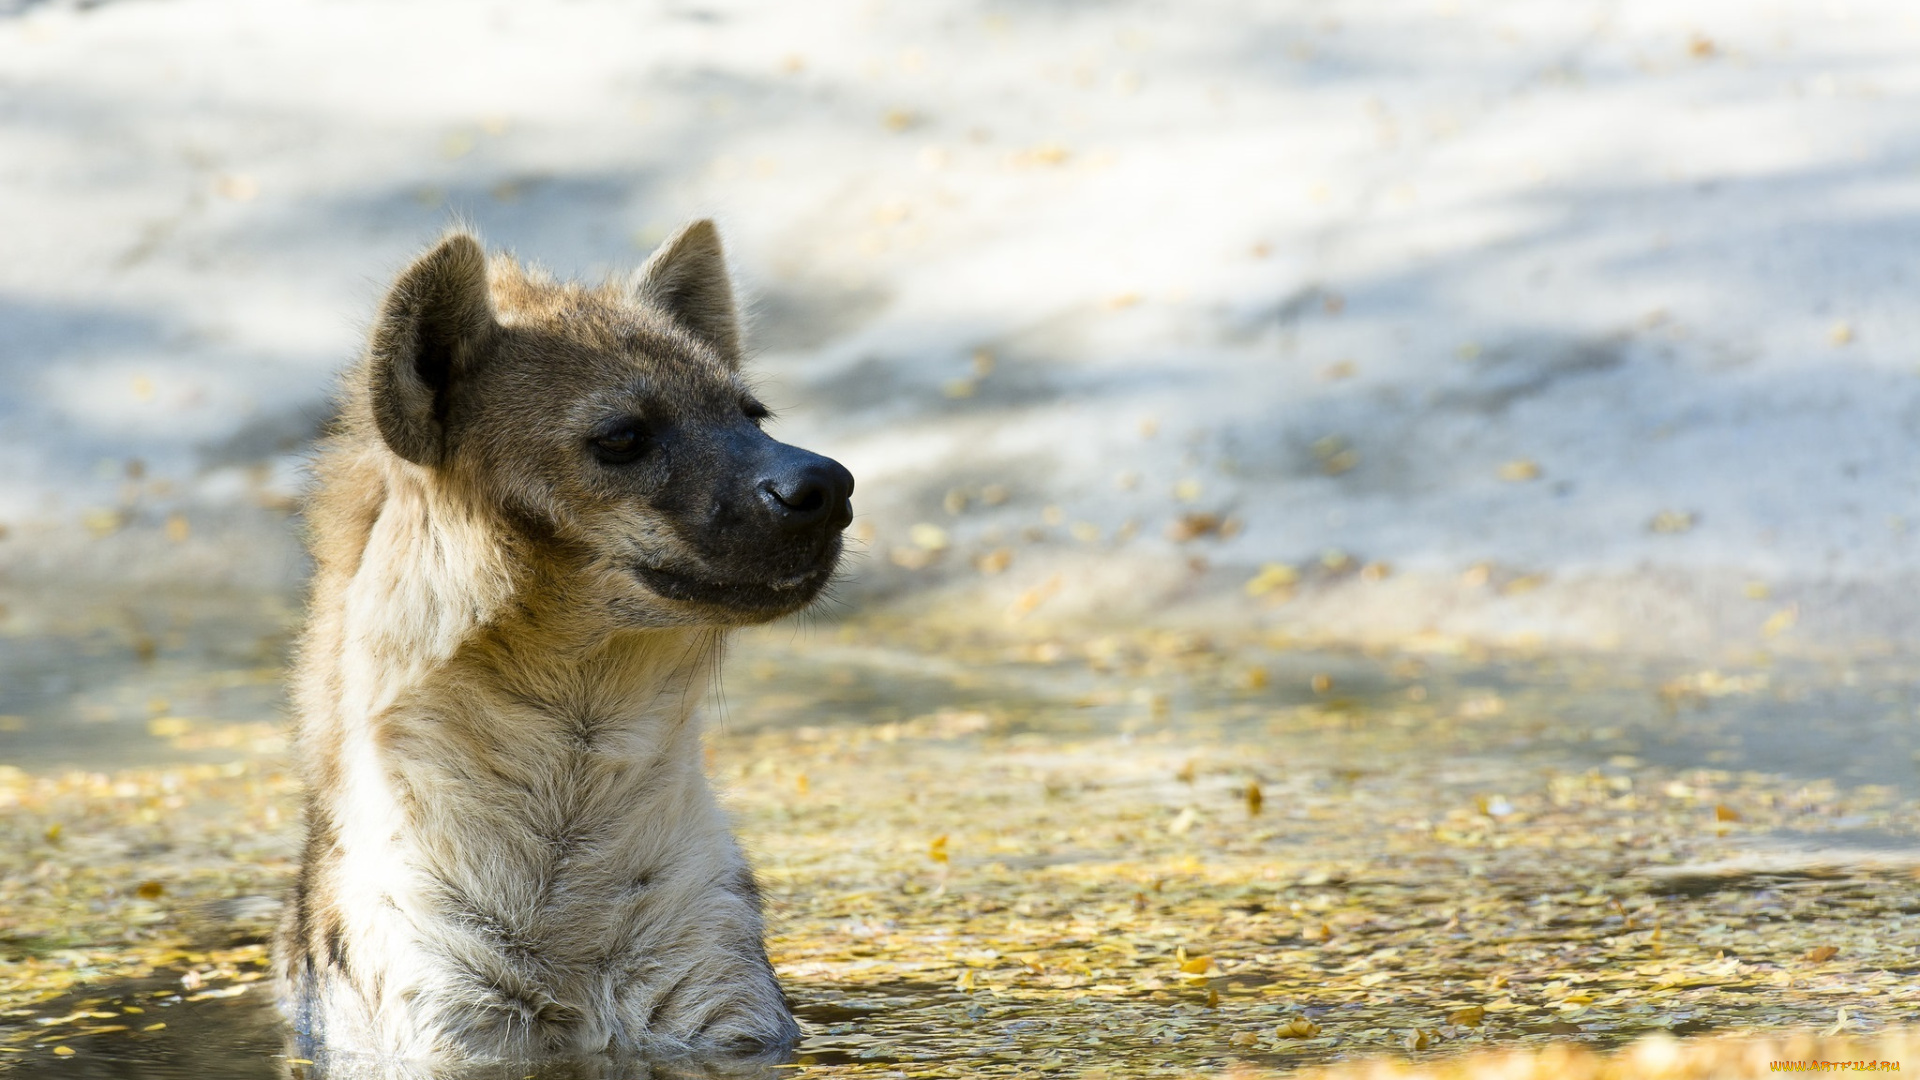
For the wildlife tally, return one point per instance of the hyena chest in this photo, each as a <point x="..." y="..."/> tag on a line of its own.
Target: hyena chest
<point x="557" y="870"/>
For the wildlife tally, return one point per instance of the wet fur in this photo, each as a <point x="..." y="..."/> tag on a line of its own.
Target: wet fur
<point x="512" y="849"/>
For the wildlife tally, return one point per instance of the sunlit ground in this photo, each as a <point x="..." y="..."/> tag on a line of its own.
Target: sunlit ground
<point x="1035" y="851"/>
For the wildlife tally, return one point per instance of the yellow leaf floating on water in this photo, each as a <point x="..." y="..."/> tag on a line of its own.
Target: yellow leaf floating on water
<point x="1197" y="965"/>
<point x="1519" y="470"/>
<point x="1471" y="1016"/>
<point x="149" y="890"/>
<point x="1820" y="954"/>
<point x="63" y="1051"/>
<point x="1723" y="812"/>
<point x="1254" y="798"/>
<point x="1242" y="1039"/>
<point x="1297" y="1028"/>
<point x="937" y="851"/>
<point x="1421" y="1038"/>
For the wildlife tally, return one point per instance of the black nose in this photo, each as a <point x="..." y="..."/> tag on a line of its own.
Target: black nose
<point x="807" y="491"/>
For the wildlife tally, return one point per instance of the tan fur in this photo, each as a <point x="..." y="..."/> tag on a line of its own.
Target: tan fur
<point x="513" y="852"/>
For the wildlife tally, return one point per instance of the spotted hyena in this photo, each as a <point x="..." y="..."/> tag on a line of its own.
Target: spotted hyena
<point x="543" y="506"/>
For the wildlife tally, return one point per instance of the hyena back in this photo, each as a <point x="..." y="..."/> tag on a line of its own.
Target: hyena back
<point x="541" y="508"/>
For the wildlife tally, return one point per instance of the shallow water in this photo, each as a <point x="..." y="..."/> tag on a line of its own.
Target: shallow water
<point x="1333" y="735"/>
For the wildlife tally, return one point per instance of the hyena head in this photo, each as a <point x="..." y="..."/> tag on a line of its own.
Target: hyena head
<point x="609" y="428"/>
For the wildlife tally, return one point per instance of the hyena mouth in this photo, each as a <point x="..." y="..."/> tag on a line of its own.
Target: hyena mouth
<point x="776" y="596"/>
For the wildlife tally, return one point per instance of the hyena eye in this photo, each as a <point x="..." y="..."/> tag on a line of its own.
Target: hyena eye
<point x="621" y="442"/>
<point x="754" y="411"/>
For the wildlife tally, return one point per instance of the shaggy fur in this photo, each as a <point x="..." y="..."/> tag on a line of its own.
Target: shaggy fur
<point x="512" y="851"/>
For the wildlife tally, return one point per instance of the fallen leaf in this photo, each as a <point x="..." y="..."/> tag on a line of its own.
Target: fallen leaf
<point x="1671" y="522"/>
<point x="103" y="523"/>
<point x="1471" y="1016"/>
<point x="912" y="558"/>
<point x="1193" y="526"/>
<point x="1297" y="1028"/>
<point x="1780" y="621"/>
<point x="1525" y="583"/>
<point x="995" y="561"/>
<point x="1182" y="822"/>
<point x="1272" y="578"/>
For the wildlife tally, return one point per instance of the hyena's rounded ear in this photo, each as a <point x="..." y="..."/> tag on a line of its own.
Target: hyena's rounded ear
<point x="437" y="317"/>
<point x="687" y="279"/>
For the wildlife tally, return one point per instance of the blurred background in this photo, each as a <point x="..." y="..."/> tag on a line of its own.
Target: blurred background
<point x="1581" y="323"/>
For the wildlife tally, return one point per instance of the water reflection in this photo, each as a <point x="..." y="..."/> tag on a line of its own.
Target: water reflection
<point x="340" y="1067"/>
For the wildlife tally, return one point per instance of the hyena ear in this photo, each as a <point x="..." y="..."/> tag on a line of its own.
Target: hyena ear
<point x="435" y="320"/>
<point x="687" y="278"/>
